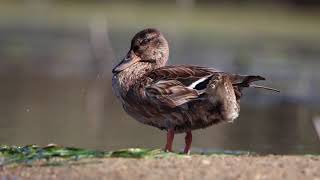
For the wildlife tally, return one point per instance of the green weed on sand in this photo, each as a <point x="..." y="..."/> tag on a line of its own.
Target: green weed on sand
<point x="55" y="155"/>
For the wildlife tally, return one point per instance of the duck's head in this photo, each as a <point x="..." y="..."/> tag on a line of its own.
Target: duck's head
<point x="147" y="46"/>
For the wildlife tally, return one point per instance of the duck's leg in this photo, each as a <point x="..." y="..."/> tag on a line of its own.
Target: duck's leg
<point x="170" y="137"/>
<point x="188" y="140"/>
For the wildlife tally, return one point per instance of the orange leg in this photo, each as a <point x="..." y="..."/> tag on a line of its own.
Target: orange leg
<point x="188" y="140"/>
<point x="170" y="137"/>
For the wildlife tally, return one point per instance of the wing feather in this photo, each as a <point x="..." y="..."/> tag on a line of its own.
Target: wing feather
<point x="182" y="73"/>
<point x="171" y="93"/>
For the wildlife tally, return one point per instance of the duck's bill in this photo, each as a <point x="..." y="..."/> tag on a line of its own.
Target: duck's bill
<point x="128" y="61"/>
<point x="263" y="87"/>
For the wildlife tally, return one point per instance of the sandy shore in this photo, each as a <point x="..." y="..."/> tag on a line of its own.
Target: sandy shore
<point x="195" y="167"/>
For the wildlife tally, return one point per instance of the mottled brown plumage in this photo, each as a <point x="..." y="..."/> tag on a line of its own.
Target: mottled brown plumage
<point x="178" y="98"/>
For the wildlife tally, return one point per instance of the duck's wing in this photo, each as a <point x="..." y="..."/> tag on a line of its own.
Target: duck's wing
<point x="175" y="85"/>
<point x="170" y="93"/>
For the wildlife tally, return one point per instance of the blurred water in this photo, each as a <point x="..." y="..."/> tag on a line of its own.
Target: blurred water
<point x="56" y="88"/>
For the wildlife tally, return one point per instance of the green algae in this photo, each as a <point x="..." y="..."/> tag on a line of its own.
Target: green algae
<point x="57" y="155"/>
<point x="31" y="153"/>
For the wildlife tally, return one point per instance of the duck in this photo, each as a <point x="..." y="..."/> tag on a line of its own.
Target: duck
<point x="175" y="98"/>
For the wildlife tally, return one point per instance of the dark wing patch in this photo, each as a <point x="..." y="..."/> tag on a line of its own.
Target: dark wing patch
<point x="203" y="85"/>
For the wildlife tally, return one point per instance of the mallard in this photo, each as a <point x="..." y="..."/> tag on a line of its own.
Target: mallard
<point x="177" y="99"/>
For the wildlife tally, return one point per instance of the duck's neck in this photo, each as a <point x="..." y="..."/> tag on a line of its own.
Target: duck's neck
<point x="132" y="75"/>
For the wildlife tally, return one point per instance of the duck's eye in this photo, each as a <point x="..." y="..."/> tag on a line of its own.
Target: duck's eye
<point x="145" y="41"/>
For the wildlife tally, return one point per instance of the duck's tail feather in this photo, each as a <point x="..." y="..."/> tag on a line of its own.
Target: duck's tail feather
<point x="264" y="87"/>
<point x="247" y="81"/>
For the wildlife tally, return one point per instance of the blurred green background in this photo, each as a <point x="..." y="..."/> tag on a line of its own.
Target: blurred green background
<point x="56" y="59"/>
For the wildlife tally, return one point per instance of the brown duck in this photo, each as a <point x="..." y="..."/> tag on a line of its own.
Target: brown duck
<point x="179" y="98"/>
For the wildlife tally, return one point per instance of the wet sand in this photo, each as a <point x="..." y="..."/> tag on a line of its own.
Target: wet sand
<point x="192" y="167"/>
